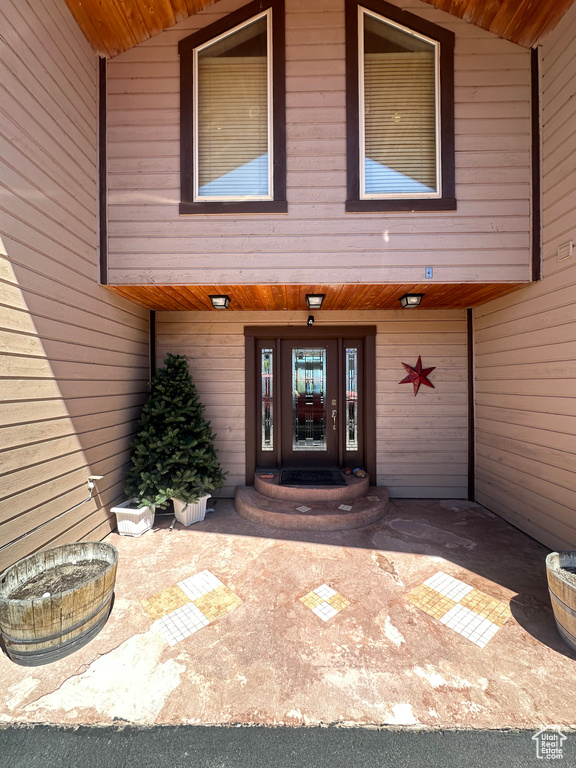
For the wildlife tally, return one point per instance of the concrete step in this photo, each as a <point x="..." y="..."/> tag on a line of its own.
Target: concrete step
<point x="268" y="484"/>
<point x="319" y="515"/>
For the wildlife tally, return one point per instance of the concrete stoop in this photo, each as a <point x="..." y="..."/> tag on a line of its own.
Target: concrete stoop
<point x="303" y="508"/>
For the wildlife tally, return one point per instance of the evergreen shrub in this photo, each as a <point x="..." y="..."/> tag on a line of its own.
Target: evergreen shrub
<point x="173" y="454"/>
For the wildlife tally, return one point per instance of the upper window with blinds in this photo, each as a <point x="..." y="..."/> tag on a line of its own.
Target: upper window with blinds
<point x="400" y="110"/>
<point x="233" y="114"/>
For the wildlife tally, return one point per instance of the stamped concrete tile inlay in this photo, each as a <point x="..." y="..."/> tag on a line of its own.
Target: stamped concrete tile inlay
<point x="199" y="584"/>
<point x="303" y="508"/>
<point x="345" y="507"/>
<point x="217" y="602"/>
<point x="448" y="586"/>
<point x="190" y="605"/>
<point x="165" y="602"/>
<point x="325" y="602"/>
<point x="468" y="611"/>
<point x="182" y="623"/>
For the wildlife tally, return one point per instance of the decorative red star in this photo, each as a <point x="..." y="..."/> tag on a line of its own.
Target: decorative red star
<point x="417" y="375"/>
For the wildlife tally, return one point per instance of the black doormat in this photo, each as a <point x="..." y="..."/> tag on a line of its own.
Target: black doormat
<point x="311" y="477"/>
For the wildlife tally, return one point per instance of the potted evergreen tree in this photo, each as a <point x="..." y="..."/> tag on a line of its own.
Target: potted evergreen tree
<point x="173" y="454"/>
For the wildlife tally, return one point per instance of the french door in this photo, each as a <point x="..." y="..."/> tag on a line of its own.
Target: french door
<point x="310" y="398"/>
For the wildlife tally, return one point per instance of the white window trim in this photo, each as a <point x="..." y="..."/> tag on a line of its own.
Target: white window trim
<point x="269" y="64"/>
<point x="361" y="111"/>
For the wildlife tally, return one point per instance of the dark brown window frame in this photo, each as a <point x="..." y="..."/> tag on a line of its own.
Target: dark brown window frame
<point x="354" y="203"/>
<point x="186" y="49"/>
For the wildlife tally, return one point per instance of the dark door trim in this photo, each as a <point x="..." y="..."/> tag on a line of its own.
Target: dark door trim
<point x="314" y="332"/>
<point x="102" y="170"/>
<point x="275" y="333"/>
<point x="536" y="167"/>
<point x="471" y="416"/>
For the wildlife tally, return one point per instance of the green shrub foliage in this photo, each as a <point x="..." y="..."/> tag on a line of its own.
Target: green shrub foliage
<point x="173" y="454"/>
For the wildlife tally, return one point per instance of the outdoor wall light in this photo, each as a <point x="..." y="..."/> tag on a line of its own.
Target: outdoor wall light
<point x="310" y="320"/>
<point x="220" y="302"/>
<point x="314" y="300"/>
<point x="411" y="299"/>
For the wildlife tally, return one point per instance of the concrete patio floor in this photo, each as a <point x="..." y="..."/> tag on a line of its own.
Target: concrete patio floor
<point x="271" y="660"/>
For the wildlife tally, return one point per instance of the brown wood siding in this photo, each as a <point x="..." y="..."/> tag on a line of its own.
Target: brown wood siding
<point x="73" y="356"/>
<point x="526" y="343"/>
<point x="421" y="441"/>
<point x="486" y="239"/>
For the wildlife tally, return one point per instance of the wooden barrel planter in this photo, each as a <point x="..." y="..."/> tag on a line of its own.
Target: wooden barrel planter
<point x="561" y="572"/>
<point x="54" y="602"/>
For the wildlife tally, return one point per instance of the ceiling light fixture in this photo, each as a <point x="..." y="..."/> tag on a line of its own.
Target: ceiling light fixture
<point x="220" y="301"/>
<point x="411" y="299"/>
<point x="314" y="300"/>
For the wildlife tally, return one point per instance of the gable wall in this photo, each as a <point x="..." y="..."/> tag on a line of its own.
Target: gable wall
<point x="486" y="239"/>
<point x="526" y="344"/>
<point x="73" y="357"/>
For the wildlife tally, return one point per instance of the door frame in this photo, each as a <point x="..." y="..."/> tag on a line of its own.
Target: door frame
<point x="305" y="333"/>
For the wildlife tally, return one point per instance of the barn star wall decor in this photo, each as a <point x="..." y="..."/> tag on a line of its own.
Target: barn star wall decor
<point x="417" y="375"/>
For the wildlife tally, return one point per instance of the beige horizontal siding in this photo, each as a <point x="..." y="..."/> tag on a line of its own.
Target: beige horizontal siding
<point x="526" y="344"/>
<point x="73" y="356"/>
<point x="486" y="239"/>
<point x="421" y="441"/>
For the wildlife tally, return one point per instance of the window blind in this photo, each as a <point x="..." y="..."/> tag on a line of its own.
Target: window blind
<point x="233" y="152"/>
<point x="400" y="122"/>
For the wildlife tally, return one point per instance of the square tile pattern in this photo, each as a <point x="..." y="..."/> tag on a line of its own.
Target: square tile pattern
<point x="190" y="605"/>
<point x="325" y="602"/>
<point x="165" y="602"/>
<point x="345" y="507"/>
<point x="473" y="614"/>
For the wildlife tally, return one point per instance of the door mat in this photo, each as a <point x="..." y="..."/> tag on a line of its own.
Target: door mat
<point x="311" y="477"/>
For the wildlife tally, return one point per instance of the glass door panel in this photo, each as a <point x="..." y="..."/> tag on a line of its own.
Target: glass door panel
<point x="267" y="399"/>
<point x="351" y="398"/>
<point x="309" y="399"/>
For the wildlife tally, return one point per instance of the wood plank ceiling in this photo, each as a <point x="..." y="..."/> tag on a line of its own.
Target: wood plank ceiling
<point x="356" y="296"/>
<point x="521" y="21"/>
<point x="114" y="26"/>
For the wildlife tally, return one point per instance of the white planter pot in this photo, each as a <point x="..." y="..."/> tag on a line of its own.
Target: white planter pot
<point x="190" y="513"/>
<point x="133" y="520"/>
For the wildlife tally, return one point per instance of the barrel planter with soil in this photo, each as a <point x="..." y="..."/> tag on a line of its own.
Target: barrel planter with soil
<point x="54" y="602"/>
<point x="561" y="571"/>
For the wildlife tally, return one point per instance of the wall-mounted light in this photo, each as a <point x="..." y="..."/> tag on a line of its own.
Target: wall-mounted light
<point x="220" y="301"/>
<point x="411" y="299"/>
<point x="314" y="300"/>
<point x="310" y="320"/>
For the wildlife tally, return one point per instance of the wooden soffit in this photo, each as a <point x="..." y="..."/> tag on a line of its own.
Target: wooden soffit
<point x="293" y="297"/>
<point x="520" y="21"/>
<point x="114" y="26"/>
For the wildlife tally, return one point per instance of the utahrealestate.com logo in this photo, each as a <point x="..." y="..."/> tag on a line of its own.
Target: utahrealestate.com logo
<point x="549" y="743"/>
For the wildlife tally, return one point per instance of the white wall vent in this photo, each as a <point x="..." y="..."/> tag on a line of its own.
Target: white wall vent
<point x="565" y="250"/>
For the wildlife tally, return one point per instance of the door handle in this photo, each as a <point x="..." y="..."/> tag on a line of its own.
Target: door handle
<point x="334" y="414"/>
